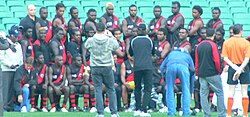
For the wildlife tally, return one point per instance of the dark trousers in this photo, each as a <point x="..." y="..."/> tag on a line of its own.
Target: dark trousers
<point x="146" y="77"/>
<point x="8" y="92"/>
<point x="118" y="91"/>
<point x="104" y="75"/>
<point x="1" y="92"/>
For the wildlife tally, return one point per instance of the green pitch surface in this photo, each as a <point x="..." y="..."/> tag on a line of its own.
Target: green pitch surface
<point x="81" y="114"/>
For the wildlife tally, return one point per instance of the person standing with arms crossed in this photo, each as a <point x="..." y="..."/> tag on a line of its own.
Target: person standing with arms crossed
<point x="100" y="47"/>
<point x="142" y="49"/>
<point x="236" y="53"/>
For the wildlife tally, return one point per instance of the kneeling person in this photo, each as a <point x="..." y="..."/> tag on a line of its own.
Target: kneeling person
<point x="25" y="80"/>
<point x="57" y="77"/>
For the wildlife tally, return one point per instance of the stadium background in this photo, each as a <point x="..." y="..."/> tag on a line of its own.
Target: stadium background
<point x="232" y="11"/>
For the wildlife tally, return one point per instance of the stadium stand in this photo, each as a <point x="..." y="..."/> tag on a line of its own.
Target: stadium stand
<point x="233" y="11"/>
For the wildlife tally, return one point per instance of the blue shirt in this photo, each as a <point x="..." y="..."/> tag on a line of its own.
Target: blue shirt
<point x="177" y="57"/>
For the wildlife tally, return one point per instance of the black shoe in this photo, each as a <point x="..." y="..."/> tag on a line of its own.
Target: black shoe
<point x="72" y="109"/>
<point x="85" y="109"/>
<point x="193" y="112"/>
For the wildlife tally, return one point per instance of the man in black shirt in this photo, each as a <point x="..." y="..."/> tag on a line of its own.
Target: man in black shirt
<point x="207" y="65"/>
<point x="142" y="48"/>
<point x="40" y="45"/>
<point x="30" y="20"/>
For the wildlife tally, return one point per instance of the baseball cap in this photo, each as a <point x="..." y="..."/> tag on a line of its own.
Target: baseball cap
<point x="14" y="30"/>
<point x="142" y="26"/>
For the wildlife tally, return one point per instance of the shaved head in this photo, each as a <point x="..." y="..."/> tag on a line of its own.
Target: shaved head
<point x="31" y="9"/>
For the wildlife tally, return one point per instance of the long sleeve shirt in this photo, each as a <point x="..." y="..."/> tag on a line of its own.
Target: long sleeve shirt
<point x="177" y="57"/>
<point x="207" y="59"/>
<point x="11" y="56"/>
<point x="22" y="77"/>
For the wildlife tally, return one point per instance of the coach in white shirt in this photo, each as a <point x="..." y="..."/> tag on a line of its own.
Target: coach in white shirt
<point x="10" y="60"/>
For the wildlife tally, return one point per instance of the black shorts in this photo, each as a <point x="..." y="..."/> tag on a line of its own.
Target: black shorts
<point x="39" y="89"/>
<point x="78" y="88"/>
<point x="244" y="77"/>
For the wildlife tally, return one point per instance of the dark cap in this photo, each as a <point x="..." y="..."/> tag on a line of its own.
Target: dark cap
<point x="100" y="27"/>
<point x="142" y="26"/>
<point x="14" y="30"/>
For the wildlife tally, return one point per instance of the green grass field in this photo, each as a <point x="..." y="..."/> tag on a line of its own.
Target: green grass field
<point x="81" y="114"/>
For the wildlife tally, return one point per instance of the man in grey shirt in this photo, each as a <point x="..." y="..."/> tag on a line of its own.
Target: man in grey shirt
<point x="100" y="47"/>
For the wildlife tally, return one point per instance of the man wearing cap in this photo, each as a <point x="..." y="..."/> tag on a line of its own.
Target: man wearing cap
<point x="109" y="19"/>
<point x="30" y="20"/>
<point x="142" y="49"/>
<point x="236" y="53"/>
<point x="100" y="47"/>
<point x="10" y="60"/>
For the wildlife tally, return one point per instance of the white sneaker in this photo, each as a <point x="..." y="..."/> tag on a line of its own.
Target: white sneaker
<point x="163" y="110"/>
<point x="24" y="109"/>
<point x="64" y="110"/>
<point x="53" y="109"/>
<point x="107" y="110"/>
<point x="44" y="110"/>
<point x="137" y="113"/>
<point x="145" y="114"/>
<point x="180" y="113"/>
<point x="128" y="110"/>
<point x="99" y="115"/>
<point x="93" y="110"/>
<point x="33" y="110"/>
<point x="115" y="115"/>
<point x="150" y="111"/>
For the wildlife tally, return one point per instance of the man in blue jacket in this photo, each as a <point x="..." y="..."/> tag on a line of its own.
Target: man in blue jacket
<point x="177" y="64"/>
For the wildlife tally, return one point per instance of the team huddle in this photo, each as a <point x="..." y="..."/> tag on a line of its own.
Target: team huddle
<point x="151" y="65"/>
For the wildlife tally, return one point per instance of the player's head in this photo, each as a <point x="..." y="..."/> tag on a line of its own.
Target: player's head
<point x="183" y="33"/>
<point x="109" y="8"/>
<point x="59" y="60"/>
<point x="39" y="58"/>
<point x="157" y="11"/>
<point x="162" y="34"/>
<point x="219" y="34"/>
<point x="74" y="12"/>
<point x="92" y="14"/>
<point x="43" y="13"/>
<point x="59" y="32"/>
<point x="133" y="10"/>
<point x="76" y="34"/>
<point x="175" y="7"/>
<point x="197" y="11"/>
<point x="117" y="33"/>
<point x="216" y="12"/>
<point x="60" y="8"/>
<point x="77" y="60"/>
<point x="42" y="33"/>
